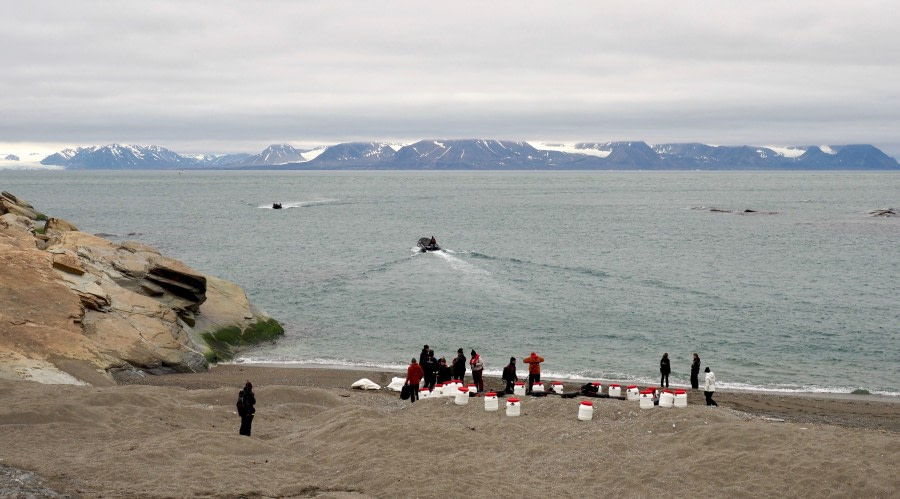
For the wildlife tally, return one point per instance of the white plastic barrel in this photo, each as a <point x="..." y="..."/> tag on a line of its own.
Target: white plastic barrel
<point x="632" y="393"/>
<point x="538" y="387"/>
<point x="647" y="399"/>
<point x="667" y="398"/>
<point x="450" y="389"/>
<point x="519" y="388"/>
<point x="424" y="392"/>
<point x="490" y="401"/>
<point x="680" y="398"/>
<point x="598" y="385"/>
<point x="556" y="387"/>
<point x="462" y="396"/>
<point x="615" y="390"/>
<point x="585" y="411"/>
<point x="472" y="388"/>
<point x="513" y="407"/>
<point x="438" y="390"/>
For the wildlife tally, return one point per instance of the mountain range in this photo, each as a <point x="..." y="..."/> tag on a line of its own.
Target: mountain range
<point x="479" y="154"/>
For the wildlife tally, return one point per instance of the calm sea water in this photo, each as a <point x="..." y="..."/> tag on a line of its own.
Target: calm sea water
<point x="599" y="272"/>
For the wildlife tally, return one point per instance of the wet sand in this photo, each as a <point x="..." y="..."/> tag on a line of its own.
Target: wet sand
<point x="176" y="436"/>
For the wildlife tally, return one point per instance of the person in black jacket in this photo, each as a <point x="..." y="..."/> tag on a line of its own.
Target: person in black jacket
<point x="444" y="373"/>
<point x="509" y="375"/>
<point x="695" y="372"/>
<point x="245" y="403"/>
<point x="664" y="370"/>
<point x="459" y="366"/>
<point x="430" y="368"/>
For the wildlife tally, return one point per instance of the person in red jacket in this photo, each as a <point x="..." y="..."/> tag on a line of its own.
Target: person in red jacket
<point x="534" y="369"/>
<point x="414" y="375"/>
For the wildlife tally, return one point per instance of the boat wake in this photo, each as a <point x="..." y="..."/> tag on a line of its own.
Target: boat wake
<point x="577" y="270"/>
<point x="461" y="265"/>
<point x="298" y="204"/>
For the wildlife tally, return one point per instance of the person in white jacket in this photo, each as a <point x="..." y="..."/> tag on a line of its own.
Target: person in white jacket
<point x="710" y="387"/>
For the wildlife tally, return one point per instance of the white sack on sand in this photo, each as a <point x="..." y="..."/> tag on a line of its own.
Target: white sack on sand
<point x="365" y="384"/>
<point x="396" y="384"/>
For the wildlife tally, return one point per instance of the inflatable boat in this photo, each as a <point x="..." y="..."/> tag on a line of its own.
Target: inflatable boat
<point x="428" y="244"/>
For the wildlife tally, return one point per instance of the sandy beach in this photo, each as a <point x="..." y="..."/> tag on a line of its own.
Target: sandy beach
<point x="177" y="436"/>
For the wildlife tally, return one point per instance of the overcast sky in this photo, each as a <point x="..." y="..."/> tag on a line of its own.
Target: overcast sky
<point x="222" y="76"/>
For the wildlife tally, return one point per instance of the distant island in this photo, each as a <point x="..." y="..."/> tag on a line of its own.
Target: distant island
<point x="479" y="154"/>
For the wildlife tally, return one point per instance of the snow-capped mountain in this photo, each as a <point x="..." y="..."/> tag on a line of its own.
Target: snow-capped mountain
<point x="476" y="154"/>
<point x="479" y="154"/>
<point x="117" y="156"/>
<point x="276" y="154"/>
<point x="354" y="151"/>
<point x="11" y="157"/>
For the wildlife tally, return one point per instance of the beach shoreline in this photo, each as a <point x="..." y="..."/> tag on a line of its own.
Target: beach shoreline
<point x="871" y="397"/>
<point x="874" y="397"/>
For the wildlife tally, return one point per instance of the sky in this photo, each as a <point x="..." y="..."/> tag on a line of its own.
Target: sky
<point x="236" y="76"/>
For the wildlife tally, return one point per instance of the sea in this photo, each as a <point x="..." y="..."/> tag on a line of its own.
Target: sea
<point x="599" y="272"/>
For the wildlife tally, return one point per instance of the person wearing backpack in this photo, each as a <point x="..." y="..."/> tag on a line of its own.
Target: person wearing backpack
<point x="245" y="402"/>
<point x="665" y="367"/>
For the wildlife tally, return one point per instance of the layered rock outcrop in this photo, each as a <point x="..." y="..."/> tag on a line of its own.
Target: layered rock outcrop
<point x="77" y="308"/>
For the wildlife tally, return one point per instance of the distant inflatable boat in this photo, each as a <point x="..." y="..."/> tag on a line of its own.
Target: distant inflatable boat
<point x="276" y="206"/>
<point x="428" y="244"/>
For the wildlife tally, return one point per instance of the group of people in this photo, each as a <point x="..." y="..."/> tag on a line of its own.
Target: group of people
<point x="434" y="371"/>
<point x="429" y="371"/>
<point x="438" y="371"/>
<point x="709" y="387"/>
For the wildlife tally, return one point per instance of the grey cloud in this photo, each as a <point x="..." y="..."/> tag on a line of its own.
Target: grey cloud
<point x="223" y="74"/>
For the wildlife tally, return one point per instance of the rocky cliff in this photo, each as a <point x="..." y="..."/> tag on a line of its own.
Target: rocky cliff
<point x="76" y="308"/>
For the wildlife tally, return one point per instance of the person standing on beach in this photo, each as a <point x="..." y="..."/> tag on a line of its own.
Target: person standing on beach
<point x="509" y="375"/>
<point x="710" y="388"/>
<point x="430" y="368"/>
<point x="423" y="355"/>
<point x="444" y="373"/>
<point x="664" y="369"/>
<point x="534" y="369"/>
<point x="477" y="370"/>
<point x="413" y="377"/>
<point x="459" y="366"/>
<point x="245" y="402"/>
<point x="695" y="372"/>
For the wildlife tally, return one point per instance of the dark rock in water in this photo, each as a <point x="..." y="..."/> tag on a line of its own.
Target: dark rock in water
<point x="889" y="212"/>
<point x="860" y="391"/>
<point x="749" y="211"/>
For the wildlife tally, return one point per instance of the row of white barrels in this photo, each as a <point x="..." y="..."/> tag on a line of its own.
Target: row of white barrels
<point x="648" y="397"/>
